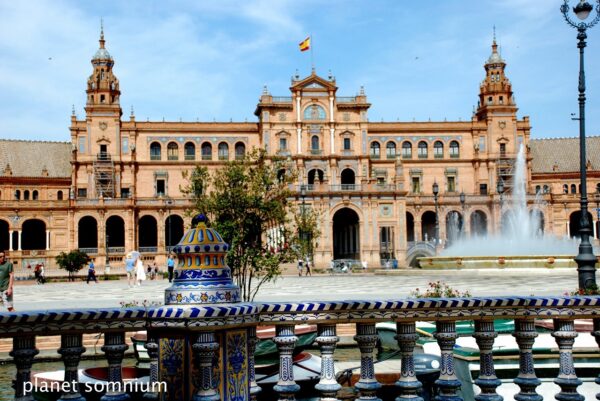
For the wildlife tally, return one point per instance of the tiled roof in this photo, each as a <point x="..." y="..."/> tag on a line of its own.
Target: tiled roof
<point x="561" y="155"/>
<point x="30" y="158"/>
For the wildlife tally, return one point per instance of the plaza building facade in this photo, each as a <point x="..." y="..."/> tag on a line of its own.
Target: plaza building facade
<point x="116" y="185"/>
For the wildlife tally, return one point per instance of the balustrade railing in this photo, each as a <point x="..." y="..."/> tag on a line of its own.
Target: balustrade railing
<point x="148" y="249"/>
<point x="203" y="322"/>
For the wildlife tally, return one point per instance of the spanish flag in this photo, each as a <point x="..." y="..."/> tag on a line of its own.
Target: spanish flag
<point x="305" y="44"/>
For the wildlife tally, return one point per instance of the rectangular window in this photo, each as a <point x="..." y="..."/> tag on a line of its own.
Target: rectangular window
<point x="82" y="144"/>
<point x="406" y="152"/>
<point x="482" y="144"/>
<point x="502" y="150"/>
<point x="416" y="185"/>
<point x="451" y="184"/>
<point x="82" y="193"/>
<point x="160" y="187"/>
<point x="483" y="189"/>
<point x="347" y="144"/>
<point x="282" y="143"/>
<point x="125" y="146"/>
<point x="125" y="193"/>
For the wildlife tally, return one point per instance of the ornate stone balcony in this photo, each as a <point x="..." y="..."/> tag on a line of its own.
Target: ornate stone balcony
<point x="213" y="328"/>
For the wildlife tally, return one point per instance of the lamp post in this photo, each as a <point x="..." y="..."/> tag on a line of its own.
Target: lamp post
<point x="168" y="202"/>
<point x="597" y="197"/>
<point x="463" y="199"/>
<point x="500" y="189"/>
<point x="436" y="190"/>
<point x="303" y="216"/>
<point x="585" y="259"/>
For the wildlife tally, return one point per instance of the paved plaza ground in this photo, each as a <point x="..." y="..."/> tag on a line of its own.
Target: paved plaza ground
<point x="29" y="296"/>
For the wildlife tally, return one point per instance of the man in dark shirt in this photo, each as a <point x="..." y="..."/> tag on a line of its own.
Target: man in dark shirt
<point x="6" y="282"/>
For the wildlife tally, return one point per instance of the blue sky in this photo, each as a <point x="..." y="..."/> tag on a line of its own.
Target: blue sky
<point x="209" y="60"/>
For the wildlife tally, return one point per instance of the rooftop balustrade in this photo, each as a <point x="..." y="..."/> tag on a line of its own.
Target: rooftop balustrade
<point x="210" y="324"/>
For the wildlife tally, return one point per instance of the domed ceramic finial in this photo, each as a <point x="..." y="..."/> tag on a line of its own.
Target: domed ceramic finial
<point x="199" y="218"/>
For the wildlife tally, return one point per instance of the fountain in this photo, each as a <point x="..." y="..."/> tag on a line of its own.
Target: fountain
<point x="521" y="241"/>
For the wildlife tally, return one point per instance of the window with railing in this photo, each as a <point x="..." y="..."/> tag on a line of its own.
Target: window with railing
<point x="155" y="151"/>
<point x="223" y="151"/>
<point x="406" y="150"/>
<point x="240" y="151"/>
<point x="438" y="150"/>
<point x="375" y="150"/>
<point x="454" y="149"/>
<point x="422" y="150"/>
<point x="206" y="151"/>
<point x="190" y="151"/>
<point x="390" y="150"/>
<point x="172" y="151"/>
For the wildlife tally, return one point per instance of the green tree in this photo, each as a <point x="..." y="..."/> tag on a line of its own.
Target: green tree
<point x="72" y="262"/>
<point x="306" y="220"/>
<point x="249" y="202"/>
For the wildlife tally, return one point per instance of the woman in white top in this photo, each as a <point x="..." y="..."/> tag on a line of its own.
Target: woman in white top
<point x="139" y="271"/>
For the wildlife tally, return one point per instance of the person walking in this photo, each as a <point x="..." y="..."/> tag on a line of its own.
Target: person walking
<point x="308" y="273"/>
<point x="130" y="268"/>
<point x="299" y="267"/>
<point x="42" y="274"/>
<point x="7" y="279"/>
<point x="140" y="273"/>
<point x="170" y="267"/>
<point x="92" y="272"/>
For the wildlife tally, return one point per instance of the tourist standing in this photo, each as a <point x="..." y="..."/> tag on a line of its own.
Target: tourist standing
<point x="92" y="272"/>
<point x="140" y="273"/>
<point x="308" y="273"/>
<point x="155" y="269"/>
<point x="6" y="282"/>
<point x="42" y="274"/>
<point x="170" y="267"/>
<point x="129" y="268"/>
<point x="299" y="267"/>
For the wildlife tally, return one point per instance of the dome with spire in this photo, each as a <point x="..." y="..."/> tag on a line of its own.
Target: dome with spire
<point x="102" y="54"/>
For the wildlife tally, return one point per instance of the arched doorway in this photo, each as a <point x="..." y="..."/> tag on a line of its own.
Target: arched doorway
<point x="428" y="226"/>
<point x="87" y="234"/>
<point x="348" y="178"/>
<point x="4" y="232"/>
<point x="346" y="236"/>
<point x="173" y="230"/>
<point x="115" y="232"/>
<point x="454" y="227"/>
<point x="147" y="234"/>
<point x="34" y="235"/>
<point x="410" y="227"/>
<point x="478" y="224"/>
<point x="574" y="223"/>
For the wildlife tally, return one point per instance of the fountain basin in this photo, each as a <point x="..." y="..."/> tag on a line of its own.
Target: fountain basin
<point x="498" y="262"/>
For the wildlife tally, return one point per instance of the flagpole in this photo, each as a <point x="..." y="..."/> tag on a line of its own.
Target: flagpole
<point x="312" y="60"/>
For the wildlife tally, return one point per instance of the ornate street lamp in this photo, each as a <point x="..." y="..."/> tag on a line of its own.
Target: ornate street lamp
<point x="303" y="216"/>
<point x="436" y="190"/>
<point x="585" y="259"/>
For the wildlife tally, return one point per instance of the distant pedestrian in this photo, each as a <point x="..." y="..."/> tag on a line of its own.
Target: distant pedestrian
<point x="155" y="269"/>
<point x="92" y="272"/>
<point x="130" y="268"/>
<point x="140" y="273"/>
<point x="300" y="267"/>
<point x="308" y="273"/>
<point x="42" y="274"/>
<point x="170" y="267"/>
<point x="6" y="282"/>
<point x="364" y="265"/>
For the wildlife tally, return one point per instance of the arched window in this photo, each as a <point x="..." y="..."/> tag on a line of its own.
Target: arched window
<point x="59" y="195"/>
<point x="390" y="150"/>
<point x="314" y="142"/>
<point x="375" y="149"/>
<point x="172" y="151"/>
<point x="598" y="188"/>
<point x="406" y="150"/>
<point x="240" y="151"/>
<point x="206" y="151"/>
<point x="438" y="149"/>
<point x="546" y="189"/>
<point x="573" y="188"/>
<point x="454" y="149"/>
<point x="223" y="151"/>
<point x="34" y="195"/>
<point x="155" y="151"/>
<point x="565" y="189"/>
<point x="26" y="194"/>
<point x="17" y="195"/>
<point x="314" y="112"/>
<point x="538" y="189"/>
<point x="422" y="150"/>
<point x="190" y="151"/>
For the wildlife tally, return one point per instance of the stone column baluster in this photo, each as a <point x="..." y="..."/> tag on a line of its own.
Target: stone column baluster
<point x="71" y="348"/>
<point x="114" y="347"/>
<point x="286" y="340"/>
<point x="596" y="333"/>
<point x="487" y="381"/>
<point x="525" y="335"/>
<point x="252" y="341"/>
<point x="327" y="340"/>
<point x="152" y="348"/>
<point x="407" y="336"/>
<point x="23" y="353"/>
<point x="366" y="337"/>
<point x="205" y="348"/>
<point x="448" y="383"/>
<point x="564" y="334"/>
